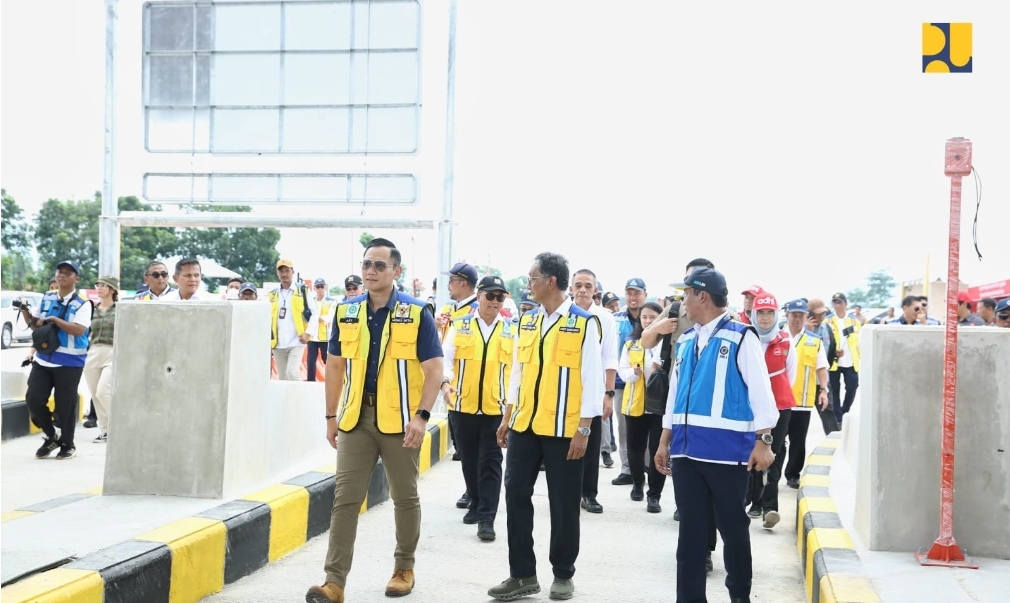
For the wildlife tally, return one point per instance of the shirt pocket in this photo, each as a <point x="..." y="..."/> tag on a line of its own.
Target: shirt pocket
<point x="505" y="350"/>
<point x="568" y="350"/>
<point x="350" y="340"/>
<point x="527" y="344"/>
<point x="465" y="346"/>
<point x="402" y="342"/>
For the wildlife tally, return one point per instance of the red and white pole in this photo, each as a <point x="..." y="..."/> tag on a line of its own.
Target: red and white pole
<point x="945" y="550"/>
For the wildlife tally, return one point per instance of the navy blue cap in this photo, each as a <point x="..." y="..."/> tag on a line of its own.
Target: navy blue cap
<point x="527" y="298"/>
<point x="70" y="265"/>
<point x="465" y="271"/>
<point x="796" y="305"/>
<point x="319" y="281"/>
<point x="353" y="279"/>
<point x="1003" y="304"/>
<point x="705" y="279"/>
<point x="491" y="283"/>
<point x="599" y="287"/>
<point x="247" y="287"/>
<point x="609" y="297"/>
<point x="635" y="283"/>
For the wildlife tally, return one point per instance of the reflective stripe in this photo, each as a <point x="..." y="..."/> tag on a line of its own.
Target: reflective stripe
<point x="713" y="422"/>
<point x="401" y="369"/>
<point x="776" y="373"/>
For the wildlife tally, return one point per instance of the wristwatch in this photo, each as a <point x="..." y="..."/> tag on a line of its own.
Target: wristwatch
<point x="610" y="393"/>
<point x="423" y="414"/>
<point x="585" y="431"/>
<point x="766" y="438"/>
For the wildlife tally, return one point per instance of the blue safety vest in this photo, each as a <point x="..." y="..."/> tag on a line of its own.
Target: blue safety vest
<point x="73" y="350"/>
<point x="712" y="416"/>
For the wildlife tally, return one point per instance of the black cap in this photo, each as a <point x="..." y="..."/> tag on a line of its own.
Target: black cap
<point x="491" y="283"/>
<point x="705" y="279"/>
<point x="610" y="297"/>
<point x="839" y="297"/>
<point x="464" y="271"/>
<point x="247" y="287"/>
<point x="354" y="279"/>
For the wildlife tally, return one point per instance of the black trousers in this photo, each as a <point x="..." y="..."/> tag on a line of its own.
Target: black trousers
<point x="481" y="458"/>
<point x="799" y="424"/>
<point x="644" y="432"/>
<point x="62" y="383"/>
<point x="851" y="379"/>
<point x="698" y="487"/>
<point x="591" y="466"/>
<point x="564" y="487"/>
<point x="764" y="487"/>
<point x="315" y="349"/>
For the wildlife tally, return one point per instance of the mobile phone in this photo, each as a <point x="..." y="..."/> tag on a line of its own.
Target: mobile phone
<point x="848" y="331"/>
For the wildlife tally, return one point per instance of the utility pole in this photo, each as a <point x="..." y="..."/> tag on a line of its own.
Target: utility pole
<point x="446" y="250"/>
<point x="108" y="229"/>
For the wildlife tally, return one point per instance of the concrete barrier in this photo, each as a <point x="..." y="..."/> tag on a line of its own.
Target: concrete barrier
<point x="831" y="567"/>
<point x="16" y="420"/>
<point x="899" y="436"/>
<point x="189" y="559"/>
<point x="194" y="412"/>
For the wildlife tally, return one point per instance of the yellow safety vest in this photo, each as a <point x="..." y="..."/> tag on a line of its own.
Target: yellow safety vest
<point x="550" y="387"/>
<point x="455" y="313"/>
<point x="400" y="380"/>
<point x="805" y="386"/>
<point x="325" y="307"/>
<point x="148" y="296"/>
<point x="633" y="403"/>
<point x="836" y="331"/>
<point x="297" y="306"/>
<point x="482" y="369"/>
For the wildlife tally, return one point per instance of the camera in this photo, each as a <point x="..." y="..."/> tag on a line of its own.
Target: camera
<point x="18" y="304"/>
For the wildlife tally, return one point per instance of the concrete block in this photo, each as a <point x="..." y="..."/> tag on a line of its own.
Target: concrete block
<point x="899" y="439"/>
<point x="13" y="383"/>
<point x="194" y="412"/>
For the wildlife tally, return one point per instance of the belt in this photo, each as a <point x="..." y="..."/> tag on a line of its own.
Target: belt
<point x="368" y="399"/>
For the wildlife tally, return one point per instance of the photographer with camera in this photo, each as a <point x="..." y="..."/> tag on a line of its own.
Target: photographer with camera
<point x="60" y="326"/>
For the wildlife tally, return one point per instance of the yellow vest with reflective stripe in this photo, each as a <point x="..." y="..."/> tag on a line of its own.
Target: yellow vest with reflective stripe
<point x="325" y="307"/>
<point x="633" y="403"/>
<point x="297" y="305"/>
<point x="550" y="387"/>
<point x="400" y="379"/>
<point x="454" y="313"/>
<point x="482" y="370"/>
<point x="837" y="325"/>
<point x="805" y="385"/>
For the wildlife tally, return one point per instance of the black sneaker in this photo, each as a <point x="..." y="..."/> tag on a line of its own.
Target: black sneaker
<point x="464" y="501"/>
<point x="47" y="448"/>
<point x="515" y="588"/>
<point x="66" y="453"/>
<point x="455" y="456"/>
<point x="676" y="514"/>
<point x="608" y="461"/>
<point x="623" y="479"/>
<point x="652" y="506"/>
<point x="793" y="482"/>
<point x="638" y="492"/>
<point x="89" y="424"/>
<point x="102" y="438"/>
<point x="485" y="530"/>
<point x="471" y="517"/>
<point x="754" y="511"/>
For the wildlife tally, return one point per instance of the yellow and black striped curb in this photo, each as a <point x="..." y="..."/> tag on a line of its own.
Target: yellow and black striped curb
<point x="831" y="567"/>
<point x="189" y="559"/>
<point x="17" y="422"/>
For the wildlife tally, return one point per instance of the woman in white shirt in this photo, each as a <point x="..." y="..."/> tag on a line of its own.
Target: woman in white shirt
<point x="644" y="427"/>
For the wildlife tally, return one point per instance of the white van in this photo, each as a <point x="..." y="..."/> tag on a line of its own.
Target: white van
<point x="14" y="327"/>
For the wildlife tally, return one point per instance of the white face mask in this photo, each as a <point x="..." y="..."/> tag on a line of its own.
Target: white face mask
<point x="231" y="294"/>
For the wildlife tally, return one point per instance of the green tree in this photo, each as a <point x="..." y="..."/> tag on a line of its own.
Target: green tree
<point x="516" y="286"/>
<point x="68" y="230"/>
<point x="252" y="252"/>
<point x="140" y="245"/>
<point x="16" y="267"/>
<point x="878" y="292"/>
<point x="365" y="239"/>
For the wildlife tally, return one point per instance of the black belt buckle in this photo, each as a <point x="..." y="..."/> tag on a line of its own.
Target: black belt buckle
<point x="368" y="399"/>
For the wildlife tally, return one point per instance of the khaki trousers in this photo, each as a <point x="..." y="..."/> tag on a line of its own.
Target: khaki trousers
<point x="98" y="375"/>
<point x="357" y="454"/>
<point x="289" y="362"/>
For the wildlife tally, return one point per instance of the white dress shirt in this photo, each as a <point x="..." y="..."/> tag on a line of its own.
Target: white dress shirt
<point x="753" y="369"/>
<point x="287" y="334"/>
<point x="449" y="346"/>
<point x="199" y="295"/>
<point x="312" y="328"/>
<point x="592" y="364"/>
<point x="610" y="354"/>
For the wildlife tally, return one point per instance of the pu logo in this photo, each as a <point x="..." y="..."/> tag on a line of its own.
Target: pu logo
<point x="946" y="48"/>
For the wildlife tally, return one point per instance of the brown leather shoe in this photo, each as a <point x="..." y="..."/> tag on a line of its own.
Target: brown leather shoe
<point x="330" y="592"/>
<point x="401" y="583"/>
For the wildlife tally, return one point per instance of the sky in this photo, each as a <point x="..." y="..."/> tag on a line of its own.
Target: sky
<point x="796" y="146"/>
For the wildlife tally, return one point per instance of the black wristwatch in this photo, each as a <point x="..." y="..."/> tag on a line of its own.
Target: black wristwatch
<point x="610" y="393"/>
<point x="423" y="414"/>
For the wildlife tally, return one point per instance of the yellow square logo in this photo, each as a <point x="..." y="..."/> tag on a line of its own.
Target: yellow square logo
<point x="946" y="48"/>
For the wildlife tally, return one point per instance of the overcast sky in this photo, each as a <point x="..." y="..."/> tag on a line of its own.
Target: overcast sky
<point x="798" y="147"/>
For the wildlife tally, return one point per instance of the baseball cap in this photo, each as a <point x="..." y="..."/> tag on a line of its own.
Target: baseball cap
<point x="70" y="265"/>
<point x="963" y="296"/>
<point x="319" y="281"/>
<point x="765" y="301"/>
<point x="609" y="297"/>
<point x="754" y="290"/>
<point x="110" y="281"/>
<point x="796" y="305"/>
<point x="491" y="283"/>
<point x="839" y="297"/>
<point x="247" y="287"/>
<point x="465" y="271"/>
<point x="599" y="287"/>
<point x="1003" y="304"/>
<point x="635" y="283"/>
<point x="354" y="279"/>
<point x="282" y="262"/>
<point x="705" y="279"/>
<point x="527" y="298"/>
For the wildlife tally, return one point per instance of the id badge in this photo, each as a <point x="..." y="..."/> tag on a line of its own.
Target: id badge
<point x="282" y="312"/>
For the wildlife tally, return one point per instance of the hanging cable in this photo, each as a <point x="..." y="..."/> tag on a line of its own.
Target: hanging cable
<point x="978" y="203"/>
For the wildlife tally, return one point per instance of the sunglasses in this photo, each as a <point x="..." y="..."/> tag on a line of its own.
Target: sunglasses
<point x="158" y="274"/>
<point x="1003" y="316"/>
<point x="320" y="286"/>
<point x="498" y="297"/>
<point x="916" y="308"/>
<point x="379" y="265"/>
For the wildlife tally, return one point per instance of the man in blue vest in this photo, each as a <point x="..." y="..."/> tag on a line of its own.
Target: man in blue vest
<point x="58" y="371"/>
<point x="714" y="433"/>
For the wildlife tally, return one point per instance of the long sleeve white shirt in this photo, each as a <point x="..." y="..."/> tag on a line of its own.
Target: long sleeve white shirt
<point x="610" y="353"/>
<point x="592" y="365"/>
<point x="753" y="369"/>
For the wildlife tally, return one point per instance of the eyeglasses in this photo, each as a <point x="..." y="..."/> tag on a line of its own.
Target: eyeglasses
<point x="499" y="297"/>
<point x="158" y="274"/>
<point x="320" y="286"/>
<point x="1003" y="316"/>
<point x="379" y="265"/>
